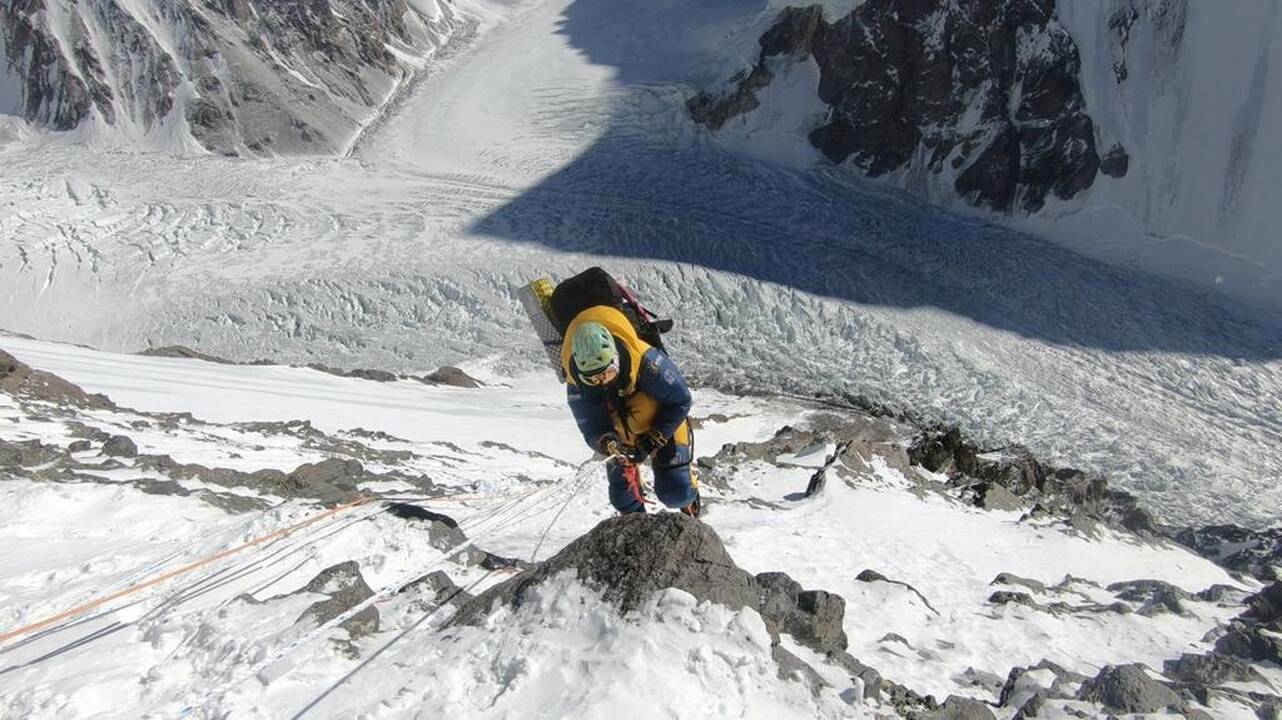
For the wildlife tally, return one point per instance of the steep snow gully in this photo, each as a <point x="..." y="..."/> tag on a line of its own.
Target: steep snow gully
<point x="559" y="138"/>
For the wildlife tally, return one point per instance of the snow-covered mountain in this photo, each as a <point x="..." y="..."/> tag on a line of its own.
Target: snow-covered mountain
<point x="283" y="542"/>
<point x="1131" y="130"/>
<point x="557" y="137"/>
<point x="242" y="76"/>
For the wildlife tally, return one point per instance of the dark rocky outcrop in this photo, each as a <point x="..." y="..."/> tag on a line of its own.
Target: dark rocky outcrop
<point x="451" y="376"/>
<point x="628" y="558"/>
<point x="1256" y="634"/>
<point x="679" y="552"/>
<point x="1209" y="669"/>
<point x="1020" y="687"/>
<point x="957" y="708"/>
<point x="182" y="351"/>
<point x="23" y="382"/>
<point x="1129" y="689"/>
<point x="987" y="93"/>
<point x="439" y="588"/>
<point x="359" y="373"/>
<point x="1066" y="493"/>
<point x="812" y="617"/>
<point x="1257" y="553"/>
<point x="1011" y="579"/>
<point x="871" y="576"/>
<point x="25" y="453"/>
<point x="346" y="588"/>
<point x="120" y="446"/>
<point x="1153" y="596"/>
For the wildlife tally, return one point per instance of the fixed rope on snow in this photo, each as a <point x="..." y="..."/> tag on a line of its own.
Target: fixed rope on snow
<point x="500" y="521"/>
<point x="134" y="588"/>
<point x="138" y="587"/>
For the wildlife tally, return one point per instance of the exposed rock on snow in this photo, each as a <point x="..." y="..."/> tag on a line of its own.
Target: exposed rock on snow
<point x="1210" y="669"/>
<point x="1257" y="553"/>
<point x="870" y="576"/>
<point x="1128" y="688"/>
<point x="451" y="376"/>
<point x="957" y="708"/>
<point x="346" y="588"/>
<point x="20" y="380"/>
<point x="985" y="93"/>
<point x="362" y="373"/>
<point x="631" y="557"/>
<point x="120" y="446"/>
<point x="28" y="453"/>
<point x="662" y="586"/>
<point x="441" y="588"/>
<point x="1153" y="596"/>
<point x="182" y="351"/>
<point x="1257" y="633"/>
<point x="1043" y="680"/>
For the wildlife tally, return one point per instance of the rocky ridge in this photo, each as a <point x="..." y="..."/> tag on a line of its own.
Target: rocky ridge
<point x="240" y="77"/>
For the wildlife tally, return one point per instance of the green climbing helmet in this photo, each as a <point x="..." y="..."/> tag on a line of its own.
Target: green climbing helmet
<point x="594" y="348"/>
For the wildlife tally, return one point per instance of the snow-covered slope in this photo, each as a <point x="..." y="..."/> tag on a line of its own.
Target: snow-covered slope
<point x="557" y="139"/>
<point x="243" y="76"/>
<point x="1130" y="130"/>
<point x="255" y="632"/>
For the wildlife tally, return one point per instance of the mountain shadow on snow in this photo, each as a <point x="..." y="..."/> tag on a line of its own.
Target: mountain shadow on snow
<point x="632" y="194"/>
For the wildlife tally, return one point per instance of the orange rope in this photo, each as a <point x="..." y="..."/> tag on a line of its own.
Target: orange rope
<point x="633" y="475"/>
<point x="80" y="609"/>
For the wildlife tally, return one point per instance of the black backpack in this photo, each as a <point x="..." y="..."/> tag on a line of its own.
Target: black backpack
<point x="595" y="286"/>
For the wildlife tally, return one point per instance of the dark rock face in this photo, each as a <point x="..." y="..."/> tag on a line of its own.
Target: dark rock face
<point x="987" y="93"/>
<point x="1209" y="669"/>
<point x="813" y="617"/>
<point x="958" y="708"/>
<point x="1019" y="689"/>
<point x="441" y="588"/>
<point x="630" y="557"/>
<point x="24" y="382"/>
<point x="1257" y="553"/>
<point x="25" y="453"/>
<point x="1127" y="688"/>
<point x="359" y="373"/>
<point x="1257" y="633"/>
<point x="1010" y="579"/>
<point x="120" y="446"/>
<point x="1058" y="492"/>
<point x="452" y="376"/>
<point x="182" y="351"/>
<point x="346" y="588"/>
<point x="1154" y="596"/>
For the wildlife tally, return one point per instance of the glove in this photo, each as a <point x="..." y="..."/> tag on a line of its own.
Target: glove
<point x="610" y="445"/>
<point x="646" y="446"/>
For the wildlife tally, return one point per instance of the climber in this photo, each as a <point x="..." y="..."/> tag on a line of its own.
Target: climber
<point x="631" y="404"/>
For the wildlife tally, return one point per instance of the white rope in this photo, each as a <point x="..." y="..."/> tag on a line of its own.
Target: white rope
<point x="500" y="521"/>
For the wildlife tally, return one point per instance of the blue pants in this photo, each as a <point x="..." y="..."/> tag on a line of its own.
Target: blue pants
<point x="671" y="480"/>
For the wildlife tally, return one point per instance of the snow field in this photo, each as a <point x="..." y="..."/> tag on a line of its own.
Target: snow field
<point x="224" y="640"/>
